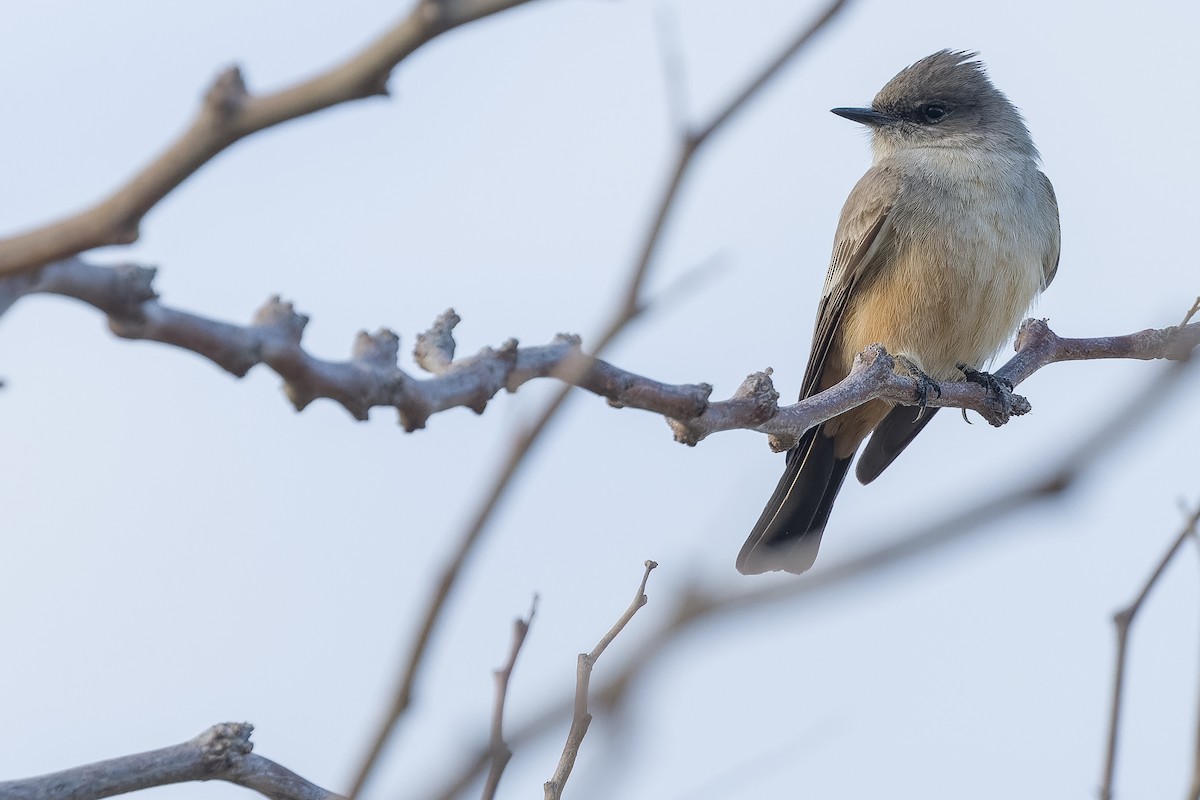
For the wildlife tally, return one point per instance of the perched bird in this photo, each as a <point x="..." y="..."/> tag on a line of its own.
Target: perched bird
<point x="940" y="250"/>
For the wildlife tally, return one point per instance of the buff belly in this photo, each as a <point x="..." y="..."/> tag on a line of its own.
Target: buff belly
<point x="938" y="318"/>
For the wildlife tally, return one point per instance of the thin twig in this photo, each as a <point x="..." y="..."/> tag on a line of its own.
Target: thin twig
<point x="229" y="113"/>
<point x="1123" y="620"/>
<point x="628" y="308"/>
<point x="581" y="717"/>
<point x="1194" y="789"/>
<point x="223" y="753"/>
<point x="1190" y="313"/>
<point x="694" y="142"/>
<point x="666" y="27"/>
<point x="501" y="753"/>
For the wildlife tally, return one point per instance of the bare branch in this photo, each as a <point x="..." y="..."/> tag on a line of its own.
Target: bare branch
<point x="1123" y="620"/>
<point x="500" y="751"/>
<point x="371" y="377"/>
<point x="581" y="718"/>
<point x="229" y="113"/>
<point x="221" y="753"/>
<point x="629" y="306"/>
<point x="701" y="605"/>
<point x="872" y="376"/>
<point x="691" y="146"/>
<point x="1194" y="789"/>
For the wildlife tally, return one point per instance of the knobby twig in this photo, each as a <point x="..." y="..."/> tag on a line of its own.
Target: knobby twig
<point x="500" y="751"/>
<point x="700" y="604"/>
<point x="1123" y="620"/>
<point x="629" y="306"/>
<point x="371" y="377"/>
<point x="229" y="113"/>
<point x="873" y="377"/>
<point x="581" y="718"/>
<point x="221" y="753"/>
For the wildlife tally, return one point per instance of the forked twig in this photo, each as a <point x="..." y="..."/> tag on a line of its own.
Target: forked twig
<point x="1123" y="620"/>
<point x="500" y="750"/>
<point x="582" y="718"/>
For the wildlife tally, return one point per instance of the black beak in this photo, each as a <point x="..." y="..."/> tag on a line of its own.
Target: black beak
<point x="867" y="116"/>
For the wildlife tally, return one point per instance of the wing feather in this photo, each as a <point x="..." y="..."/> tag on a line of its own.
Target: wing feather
<point x="864" y="232"/>
<point x="1050" y="261"/>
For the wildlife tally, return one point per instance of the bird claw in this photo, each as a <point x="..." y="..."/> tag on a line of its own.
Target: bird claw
<point x="924" y="383"/>
<point x="1000" y="390"/>
<point x="995" y="386"/>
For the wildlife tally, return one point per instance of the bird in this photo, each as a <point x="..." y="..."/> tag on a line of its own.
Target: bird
<point x="940" y="250"/>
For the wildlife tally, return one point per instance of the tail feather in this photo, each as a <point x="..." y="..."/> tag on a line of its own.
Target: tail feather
<point x="788" y="534"/>
<point x="889" y="439"/>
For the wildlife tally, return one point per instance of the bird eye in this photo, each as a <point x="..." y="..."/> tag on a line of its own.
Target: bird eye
<point x="934" y="112"/>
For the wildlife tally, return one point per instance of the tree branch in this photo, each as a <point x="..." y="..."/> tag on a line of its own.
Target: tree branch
<point x="500" y="751"/>
<point x="228" y="113"/>
<point x="700" y="604"/>
<point x="872" y="377"/>
<point x="221" y="753"/>
<point x="628" y="307"/>
<point x="1123" y="620"/>
<point x="581" y="718"/>
<point x="371" y="377"/>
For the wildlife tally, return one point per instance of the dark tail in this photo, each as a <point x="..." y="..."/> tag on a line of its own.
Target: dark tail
<point x="788" y="533"/>
<point x="890" y="437"/>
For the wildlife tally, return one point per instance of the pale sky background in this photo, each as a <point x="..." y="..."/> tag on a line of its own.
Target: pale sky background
<point x="182" y="549"/>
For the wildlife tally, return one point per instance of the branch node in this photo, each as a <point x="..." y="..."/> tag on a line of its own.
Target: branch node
<point x="227" y="94"/>
<point x="1033" y="332"/>
<point x="126" y="232"/>
<point x="434" y="349"/>
<point x="756" y="398"/>
<point x="224" y="743"/>
<point x="283" y="317"/>
<point x="379" y="349"/>
<point x="138" y="280"/>
<point x="569" y="339"/>
<point x="412" y="416"/>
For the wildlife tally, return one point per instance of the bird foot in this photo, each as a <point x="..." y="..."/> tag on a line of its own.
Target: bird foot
<point x="995" y="386"/>
<point x="1000" y="393"/>
<point x="924" y="383"/>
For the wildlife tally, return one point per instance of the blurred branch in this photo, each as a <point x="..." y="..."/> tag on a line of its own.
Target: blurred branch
<point x="500" y="751"/>
<point x="1123" y="620"/>
<point x="228" y="113"/>
<point x="581" y="718"/>
<point x="629" y="306"/>
<point x="222" y="753"/>
<point x="1194" y="789"/>
<point x="699" y="605"/>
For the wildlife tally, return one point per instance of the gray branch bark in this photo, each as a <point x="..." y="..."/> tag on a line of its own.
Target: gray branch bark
<point x="371" y="378"/>
<point x="221" y="753"/>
